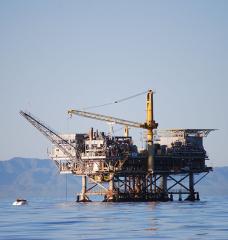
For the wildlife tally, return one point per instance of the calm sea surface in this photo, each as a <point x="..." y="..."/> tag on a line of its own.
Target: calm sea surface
<point x="206" y="219"/>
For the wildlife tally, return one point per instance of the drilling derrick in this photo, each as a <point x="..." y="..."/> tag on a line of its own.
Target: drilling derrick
<point x="112" y="166"/>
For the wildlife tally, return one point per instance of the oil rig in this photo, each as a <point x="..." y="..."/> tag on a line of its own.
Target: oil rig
<point x="171" y="164"/>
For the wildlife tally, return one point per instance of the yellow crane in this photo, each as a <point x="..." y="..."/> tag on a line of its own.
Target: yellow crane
<point x="150" y="124"/>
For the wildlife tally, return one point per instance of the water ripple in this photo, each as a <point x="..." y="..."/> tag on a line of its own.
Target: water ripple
<point x="70" y="220"/>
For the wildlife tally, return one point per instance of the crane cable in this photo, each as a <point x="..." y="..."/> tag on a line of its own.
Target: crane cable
<point x="117" y="101"/>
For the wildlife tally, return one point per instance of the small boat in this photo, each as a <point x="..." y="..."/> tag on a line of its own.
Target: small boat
<point x="20" y="202"/>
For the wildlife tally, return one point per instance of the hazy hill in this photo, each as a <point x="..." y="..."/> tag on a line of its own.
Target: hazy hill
<point x="20" y="177"/>
<point x="215" y="183"/>
<point x="23" y="177"/>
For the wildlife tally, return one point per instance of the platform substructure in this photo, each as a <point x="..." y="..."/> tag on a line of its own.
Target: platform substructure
<point x="142" y="187"/>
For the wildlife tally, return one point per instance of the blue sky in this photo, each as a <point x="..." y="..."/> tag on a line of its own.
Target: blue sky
<point x="56" y="55"/>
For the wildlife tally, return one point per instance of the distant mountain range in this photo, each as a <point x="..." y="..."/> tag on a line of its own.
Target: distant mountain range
<point x="215" y="183"/>
<point x="28" y="178"/>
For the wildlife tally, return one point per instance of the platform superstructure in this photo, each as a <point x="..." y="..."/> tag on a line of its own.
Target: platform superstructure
<point x="172" y="163"/>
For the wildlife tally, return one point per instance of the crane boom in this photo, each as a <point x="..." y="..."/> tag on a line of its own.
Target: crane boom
<point x="107" y="118"/>
<point x="53" y="137"/>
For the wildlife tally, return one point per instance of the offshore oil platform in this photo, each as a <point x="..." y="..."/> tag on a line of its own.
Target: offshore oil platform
<point x="172" y="163"/>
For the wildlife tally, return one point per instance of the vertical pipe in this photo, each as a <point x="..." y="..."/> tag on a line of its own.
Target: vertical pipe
<point x="144" y="185"/>
<point x="149" y="115"/>
<point x="125" y="184"/>
<point x="164" y="196"/>
<point x="91" y="134"/>
<point x="164" y="184"/>
<point x="129" y="184"/>
<point x="126" y="131"/>
<point x="111" y="186"/>
<point x="191" y="186"/>
<point x="150" y="126"/>
<point x="151" y="180"/>
<point x="133" y="183"/>
<point x="155" y="183"/>
<point x="137" y="184"/>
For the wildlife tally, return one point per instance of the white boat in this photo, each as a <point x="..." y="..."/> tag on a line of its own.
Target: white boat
<point x="20" y="202"/>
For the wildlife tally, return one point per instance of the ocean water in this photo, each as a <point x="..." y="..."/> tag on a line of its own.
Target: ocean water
<point x="59" y="219"/>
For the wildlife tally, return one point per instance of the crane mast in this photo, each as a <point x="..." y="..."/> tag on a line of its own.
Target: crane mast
<point x="151" y="124"/>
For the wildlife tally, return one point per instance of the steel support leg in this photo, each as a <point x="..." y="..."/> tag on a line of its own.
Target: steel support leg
<point x="164" y="196"/>
<point x="83" y="197"/>
<point x="111" y="188"/>
<point x="191" y="196"/>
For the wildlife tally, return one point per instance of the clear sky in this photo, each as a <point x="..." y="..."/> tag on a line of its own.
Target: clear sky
<point x="56" y="55"/>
